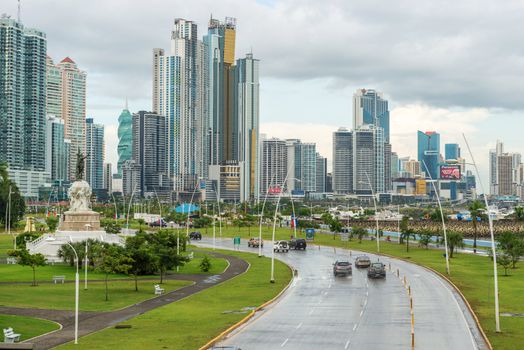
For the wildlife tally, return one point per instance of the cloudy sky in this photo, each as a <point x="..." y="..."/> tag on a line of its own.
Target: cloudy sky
<point x="450" y="66"/>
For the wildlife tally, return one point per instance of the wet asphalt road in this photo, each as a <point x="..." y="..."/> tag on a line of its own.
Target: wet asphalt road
<point x="320" y="311"/>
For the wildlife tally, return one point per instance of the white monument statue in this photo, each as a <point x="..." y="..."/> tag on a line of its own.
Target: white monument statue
<point x="79" y="196"/>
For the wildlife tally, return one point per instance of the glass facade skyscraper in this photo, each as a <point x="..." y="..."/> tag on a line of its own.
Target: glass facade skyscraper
<point x="370" y="107"/>
<point x="428" y="147"/>
<point x="125" y="138"/>
<point x="95" y="154"/>
<point x="451" y="151"/>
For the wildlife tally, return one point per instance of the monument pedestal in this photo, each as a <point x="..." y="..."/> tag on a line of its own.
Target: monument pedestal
<point x="85" y="220"/>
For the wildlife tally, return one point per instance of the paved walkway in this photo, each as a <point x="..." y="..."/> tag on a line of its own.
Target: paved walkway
<point x="90" y="322"/>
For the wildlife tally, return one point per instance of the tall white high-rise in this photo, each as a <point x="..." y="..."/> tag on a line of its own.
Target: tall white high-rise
<point x="342" y="161"/>
<point x="177" y="94"/>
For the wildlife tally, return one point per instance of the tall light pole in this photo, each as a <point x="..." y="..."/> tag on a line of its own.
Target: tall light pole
<point x="294" y="214"/>
<point x="272" y="280"/>
<point x="376" y="210"/>
<point x="493" y="248"/>
<point x="86" y="260"/>
<point x="261" y="216"/>
<point x="129" y="209"/>
<point x="116" y="209"/>
<point x="441" y="216"/>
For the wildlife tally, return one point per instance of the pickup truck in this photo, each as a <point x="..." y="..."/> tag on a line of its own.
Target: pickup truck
<point x="254" y="242"/>
<point x="377" y="270"/>
<point x="281" y="246"/>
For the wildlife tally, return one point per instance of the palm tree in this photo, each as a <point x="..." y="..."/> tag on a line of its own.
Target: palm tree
<point x="519" y="213"/>
<point x="455" y="240"/>
<point x="475" y="211"/>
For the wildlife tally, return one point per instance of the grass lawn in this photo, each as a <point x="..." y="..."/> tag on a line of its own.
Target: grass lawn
<point x="6" y="243"/>
<point x="28" y="327"/>
<point x="190" y="323"/>
<point x="472" y="274"/>
<point x="62" y="296"/>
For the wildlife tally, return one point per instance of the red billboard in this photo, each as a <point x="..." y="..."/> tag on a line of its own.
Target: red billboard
<point x="450" y="172"/>
<point x="274" y="190"/>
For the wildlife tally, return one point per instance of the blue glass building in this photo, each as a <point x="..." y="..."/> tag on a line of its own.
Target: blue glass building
<point x="370" y="108"/>
<point x="452" y="151"/>
<point x="429" y="152"/>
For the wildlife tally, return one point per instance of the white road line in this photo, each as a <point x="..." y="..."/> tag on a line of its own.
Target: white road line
<point x="311" y="311"/>
<point x="284" y="343"/>
<point x="354" y="327"/>
<point x="347" y="345"/>
<point x="299" y="325"/>
<point x="361" y="313"/>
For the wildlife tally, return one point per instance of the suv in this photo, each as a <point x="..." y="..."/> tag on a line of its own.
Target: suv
<point x="254" y="242"/>
<point x="377" y="270"/>
<point x="362" y="261"/>
<point x="342" y="268"/>
<point x="281" y="246"/>
<point x="297" y="243"/>
<point x="195" y="235"/>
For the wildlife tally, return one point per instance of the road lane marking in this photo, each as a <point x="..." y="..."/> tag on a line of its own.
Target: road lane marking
<point x="311" y="312"/>
<point x="347" y="345"/>
<point x="354" y="327"/>
<point x="299" y="325"/>
<point x="361" y="313"/>
<point x="284" y="343"/>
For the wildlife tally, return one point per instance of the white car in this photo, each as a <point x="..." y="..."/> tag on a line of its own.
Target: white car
<point x="281" y="246"/>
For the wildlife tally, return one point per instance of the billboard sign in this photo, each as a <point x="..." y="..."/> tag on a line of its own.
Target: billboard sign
<point x="274" y="190"/>
<point x="298" y="193"/>
<point x="450" y="172"/>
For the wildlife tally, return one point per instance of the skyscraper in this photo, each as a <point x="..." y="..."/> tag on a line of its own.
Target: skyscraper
<point x="125" y="138"/>
<point x="302" y="167"/>
<point x="56" y="151"/>
<point x="342" y="161"/>
<point x="429" y="152"/>
<point x="150" y="152"/>
<point x="370" y="107"/>
<point x="273" y="165"/>
<point x="394" y="165"/>
<point x="22" y="104"/>
<point x="177" y="94"/>
<point x="246" y="149"/>
<point x="321" y="174"/>
<point x="451" y="151"/>
<point x="493" y="157"/>
<point x="108" y="178"/>
<point x="95" y="154"/>
<point x="66" y="99"/>
<point x="505" y="174"/>
<point x="220" y="58"/>
<point x="368" y="159"/>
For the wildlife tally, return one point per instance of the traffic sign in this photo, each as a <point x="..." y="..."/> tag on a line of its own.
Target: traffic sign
<point x="310" y="234"/>
<point x="344" y="236"/>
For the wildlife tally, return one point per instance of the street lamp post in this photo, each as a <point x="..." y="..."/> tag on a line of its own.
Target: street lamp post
<point x="493" y="248"/>
<point x="129" y="209"/>
<point x="376" y="210"/>
<point x="272" y="280"/>
<point x="441" y="216"/>
<point x="260" y="221"/>
<point x="86" y="260"/>
<point x="294" y="214"/>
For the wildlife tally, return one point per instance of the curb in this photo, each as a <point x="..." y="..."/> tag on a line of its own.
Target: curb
<point x="243" y="321"/>
<point x="484" y="336"/>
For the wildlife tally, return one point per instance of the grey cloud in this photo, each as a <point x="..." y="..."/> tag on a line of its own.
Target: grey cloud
<point x="443" y="53"/>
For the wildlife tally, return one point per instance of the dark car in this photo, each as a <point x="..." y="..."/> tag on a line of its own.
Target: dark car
<point x="297" y="243"/>
<point x="195" y="235"/>
<point x="377" y="270"/>
<point x="342" y="268"/>
<point x="158" y="223"/>
<point x="362" y="261"/>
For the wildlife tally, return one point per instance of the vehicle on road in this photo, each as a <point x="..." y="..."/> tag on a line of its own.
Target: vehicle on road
<point x="377" y="270"/>
<point x="297" y="243"/>
<point x="195" y="235"/>
<point x="158" y="223"/>
<point x="362" y="261"/>
<point x="255" y="242"/>
<point x="281" y="246"/>
<point x="342" y="267"/>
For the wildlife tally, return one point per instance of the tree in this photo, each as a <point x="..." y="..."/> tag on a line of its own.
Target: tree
<point x="519" y="213"/>
<point x="112" y="259"/>
<point x="52" y="223"/>
<point x="406" y="232"/>
<point x="504" y="260"/>
<point x="512" y="245"/>
<point x="140" y="223"/>
<point x="24" y="258"/>
<point x="202" y="222"/>
<point x="205" y="264"/>
<point x="66" y="253"/>
<point x="112" y="227"/>
<point x="335" y="226"/>
<point x="326" y="218"/>
<point x="358" y="231"/>
<point x="425" y="238"/>
<point x="455" y="240"/>
<point x="164" y="244"/>
<point x="17" y="201"/>
<point x="475" y="211"/>
<point x="22" y="238"/>
<point x="141" y="253"/>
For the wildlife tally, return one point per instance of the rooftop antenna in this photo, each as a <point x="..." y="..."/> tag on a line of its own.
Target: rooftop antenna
<point x="19" y="11"/>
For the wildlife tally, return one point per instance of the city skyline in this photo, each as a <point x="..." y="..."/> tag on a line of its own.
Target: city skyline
<point x="283" y="91"/>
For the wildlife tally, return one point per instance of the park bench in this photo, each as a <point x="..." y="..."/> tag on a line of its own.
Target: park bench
<point x="158" y="290"/>
<point x="11" y="261"/>
<point x="10" y="336"/>
<point x="58" y="279"/>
